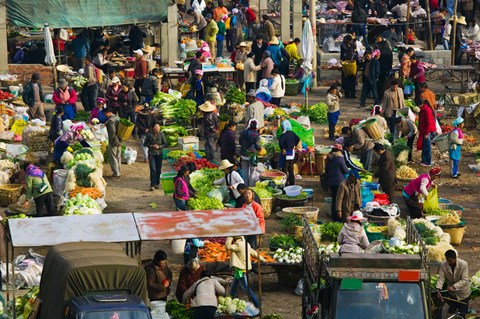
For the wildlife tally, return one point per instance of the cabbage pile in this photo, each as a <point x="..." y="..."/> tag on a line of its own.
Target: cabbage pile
<point x="231" y="306"/>
<point x="289" y="256"/>
<point x="81" y="205"/>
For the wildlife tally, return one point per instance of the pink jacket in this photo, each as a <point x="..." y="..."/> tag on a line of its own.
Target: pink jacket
<point x="414" y="186"/>
<point x="183" y="187"/>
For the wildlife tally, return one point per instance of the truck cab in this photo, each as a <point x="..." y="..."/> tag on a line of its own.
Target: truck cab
<point x="374" y="286"/>
<point x="107" y="306"/>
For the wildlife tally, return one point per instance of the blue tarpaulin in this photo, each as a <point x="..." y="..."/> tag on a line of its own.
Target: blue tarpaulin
<point x="84" y="13"/>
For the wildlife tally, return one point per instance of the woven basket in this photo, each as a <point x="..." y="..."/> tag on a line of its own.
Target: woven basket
<point x="372" y="129"/>
<point x="310" y="212"/>
<point x="37" y="143"/>
<point x="9" y="194"/>
<point x="456" y="233"/>
<point x="7" y="83"/>
<point x="267" y="206"/>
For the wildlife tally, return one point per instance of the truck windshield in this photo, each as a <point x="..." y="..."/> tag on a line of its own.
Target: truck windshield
<point x="132" y="314"/>
<point x="378" y="300"/>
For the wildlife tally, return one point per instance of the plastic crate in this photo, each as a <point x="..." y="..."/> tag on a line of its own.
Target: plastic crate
<point x="166" y="179"/>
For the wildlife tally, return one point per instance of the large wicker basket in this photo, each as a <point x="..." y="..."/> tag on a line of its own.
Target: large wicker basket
<point x="456" y="233"/>
<point x="310" y="212"/>
<point x="9" y="194"/>
<point x="267" y="206"/>
<point x="372" y="129"/>
<point x="37" y="142"/>
<point x="291" y="88"/>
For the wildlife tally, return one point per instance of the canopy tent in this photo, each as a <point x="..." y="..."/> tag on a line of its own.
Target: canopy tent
<point x="84" y="13"/>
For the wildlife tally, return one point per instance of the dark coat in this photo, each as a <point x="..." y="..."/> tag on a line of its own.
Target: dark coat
<point x="386" y="172"/>
<point x="155" y="277"/>
<point x="335" y="169"/>
<point x="374" y="70"/>
<point x="28" y="95"/>
<point x="386" y="56"/>
<point x="258" y="51"/>
<point x="227" y="144"/>
<point x="150" y="86"/>
<point x="128" y="101"/>
<point x="210" y="124"/>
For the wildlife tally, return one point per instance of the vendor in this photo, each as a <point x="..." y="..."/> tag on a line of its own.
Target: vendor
<point x="348" y="196"/>
<point x="362" y="144"/>
<point x="56" y="125"/>
<point x="242" y="188"/>
<point x="386" y="170"/>
<point x="255" y="110"/>
<point x="417" y="188"/>
<point x="97" y="113"/>
<point x="113" y="91"/>
<point x="188" y="275"/>
<point x="336" y="169"/>
<point x="66" y="97"/>
<point x="259" y="213"/>
<point x="404" y="127"/>
<point x="288" y="142"/>
<point x="38" y="187"/>
<point x="181" y="193"/>
<point x="232" y="179"/>
<point x="71" y="136"/>
<point x="381" y="122"/>
<point x="249" y="146"/>
<point x="352" y="237"/>
<point x="159" y="277"/>
<point x="455" y="149"/>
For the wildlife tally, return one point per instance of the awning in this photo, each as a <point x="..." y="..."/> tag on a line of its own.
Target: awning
<point x="84" y="13"/>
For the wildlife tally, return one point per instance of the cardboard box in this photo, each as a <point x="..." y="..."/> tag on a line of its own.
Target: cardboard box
<point x="188" y="140"/>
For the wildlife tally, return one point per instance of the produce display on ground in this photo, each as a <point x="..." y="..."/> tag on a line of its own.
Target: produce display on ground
<point x="176" y="154"/>
<point x="449" y="219"/>
<point x="172" y="133"/>
<point x="293" y="255"/>
<point x="400" y="247"/>
<point x="234" y="95"/>
<point x="231" y="305"/>
<point x="213" y="252"/>
<point x="317" y="113"/>
<point x="81" y="205"/>
<point x="406" y="172"/>
<point x="181" y="110"/>
<point x="330" y="231"/>
<point x="199" y="163"/>
<point x="329" y="249"/>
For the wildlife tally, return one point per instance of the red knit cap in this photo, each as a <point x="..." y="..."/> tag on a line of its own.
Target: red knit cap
<point x="435" y="171"/>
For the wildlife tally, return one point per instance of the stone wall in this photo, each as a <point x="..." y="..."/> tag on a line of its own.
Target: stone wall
<point x="24" y="72"/>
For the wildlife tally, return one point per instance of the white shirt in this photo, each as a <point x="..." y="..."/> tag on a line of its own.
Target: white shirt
<point x="473" y="33"/>
<point x="234" y="179"/>
<point x="277" y="89"/>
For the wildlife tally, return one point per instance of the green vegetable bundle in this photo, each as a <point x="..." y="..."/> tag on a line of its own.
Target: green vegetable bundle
<point x="272" y="148"/>
<point x="82" y="116"/>
<point x="303" y="195"/>
<point x="202" y="180"/>
<point x="181" y="110"/>
<point x="318" y="113"/>
<point x="172" y="133"/>
<point x="160" y="98"/>
<point x="202" y="202"/>
<point x="282" y="241"/>
<point x="234" y="95"/>
<point x="289" y="221"/>
<point x="178" y="310"/>
<point x="126" y="122"/>
<point x="330" y="231"/>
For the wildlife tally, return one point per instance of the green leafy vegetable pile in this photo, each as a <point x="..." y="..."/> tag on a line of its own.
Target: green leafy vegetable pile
<point x="202" y="202"/>
<point x="303" y="195"/>
<point x="181" y="110"/>
<point x="160" y="98"/>
<point x="82" y="116"/>
<point x="126" y="122"/>
<point x="202" y="180"/>
<point x="272" y="148"/>
<point x="282" y="241"/>
<point x="318" y="113"/>
<point x="263" y="190"/>
<point x="172" y="133"/>
<point x="330" y="230"/>
<point x="289" y="221"/>
<point x="234" y="95"/>
<point x="178" y="310"/>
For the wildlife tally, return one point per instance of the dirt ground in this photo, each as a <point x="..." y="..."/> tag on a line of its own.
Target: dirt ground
<point x="131" y="193"/>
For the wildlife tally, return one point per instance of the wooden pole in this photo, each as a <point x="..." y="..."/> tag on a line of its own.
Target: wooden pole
<point x="454" y="32"/>
<point x="429" y="26"/>
<point x="408" y="20"/>
<point x="313" y="21"/>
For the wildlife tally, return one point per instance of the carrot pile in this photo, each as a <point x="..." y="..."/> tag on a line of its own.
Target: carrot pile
<point x="216" y="252"/>
<point x="93" y="192"/>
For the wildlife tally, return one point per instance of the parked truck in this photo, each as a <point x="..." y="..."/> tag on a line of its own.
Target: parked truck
<point x="92" y="281"/>
<point x="366" y="286"/>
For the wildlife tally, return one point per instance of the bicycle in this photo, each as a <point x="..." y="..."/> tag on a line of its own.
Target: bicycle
<point x="446" y="102"/>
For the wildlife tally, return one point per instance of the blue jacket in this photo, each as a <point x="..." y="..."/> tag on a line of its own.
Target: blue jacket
<point x="276" y="54"/>
<point x="335" y="169"/>
<point x="81" y="46"/>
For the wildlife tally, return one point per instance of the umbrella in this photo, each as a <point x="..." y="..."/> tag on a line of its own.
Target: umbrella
<point x="49" y="50"/>
<point x="307" y="52"/>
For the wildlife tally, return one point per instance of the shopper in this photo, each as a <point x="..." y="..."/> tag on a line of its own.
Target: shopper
<point x="211" y="31"/>
<point x="250" y="72"/>
<point x="348" y="54"/>
<point x="56" y="125"/>
<point x="199" y="21"/>
<point x="66" y="97"/>
<point x="189" y="274"/>
<point x="90" y="91"/>
<point x="426" y="126"/>
<point x="268" y="28"/>
<point x="419" y="187"/>
<point x="210" y="128"/>
<point x="140" y="71"/>
<point x="277" y="89"/>
<point x="249" y="147"/>
<point x="38" y="188"/>
<point x="333" y="103"/>
<point x="114" y="145"/>
<point x="257" y="208"/>
<point x="406" y="63"/>
<point x="386" y="170"/>
<point x="405" y="127"/>
<point x="240" y="262"/>
<point x="113" y="91"/>
<point x="417" y="73"/>
<point x="386" y="62"/>
<point x="221" y="35"/>
<point x="371" y="71"/>
<point x="231" y="179"/>
<point x="348" y="196"/>
<point x="227" y="142"/>
<point x="155" y="141"/>
<point x="128" y="102"/>
<point x="33" y="97"/>
<point x="150" y="86"/>
<point x="203" y="296"/>
<point x="240" y="57"/>
<point x="455" y="149"/>
<point x="143" y="124"/>
<point x="335" y="169"/>
<point x="159" y="277"/>
<point x="255" y="110"/>
<point x="288" y="143"/>
<point x="181" y="193"/>
<point x="381" y="122"/>
<point x="393" y="100"/>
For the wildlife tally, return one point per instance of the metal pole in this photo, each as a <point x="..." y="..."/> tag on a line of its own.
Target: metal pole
<point x="429" y="27"/>
<point x="313" y="21"/>
<point x="454" y="33"/>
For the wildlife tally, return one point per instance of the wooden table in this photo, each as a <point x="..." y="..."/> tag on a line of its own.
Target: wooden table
<point x="464" y="71"/>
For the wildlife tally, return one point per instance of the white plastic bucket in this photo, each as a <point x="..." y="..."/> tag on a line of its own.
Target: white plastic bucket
<point x="158" y="309"/>
<point x="443" y="142"/>
<point x="14" y="89"/>
<point x="178" y="246"/>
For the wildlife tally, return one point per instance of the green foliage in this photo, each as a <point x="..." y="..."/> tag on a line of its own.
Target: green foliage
<point x="126" y="122"/>
<point x="82" y="116"/>
<point x="234" y="95"/>
<point x="330" y="230"/>
<point x="318" y="113"/>
<point x="289" y="221"/>
<point x="178" y="310"/>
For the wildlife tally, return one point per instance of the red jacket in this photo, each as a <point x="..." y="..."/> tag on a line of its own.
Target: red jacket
<point x="426" y="123"/>
<point x="258" y="210"/>
<point x="250" y="16"/>
<point x="71" y="100"/>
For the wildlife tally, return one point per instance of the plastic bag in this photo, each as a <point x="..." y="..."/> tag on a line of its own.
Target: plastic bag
<point x="431" y="202"/>
<point x="15" y="150"/>
<point x="100" y="132"/>
<point x="59" y="181"/>
<point x="305" y="135"/>
<point x="129" y="156"/>
<point x="18" y="126"/>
